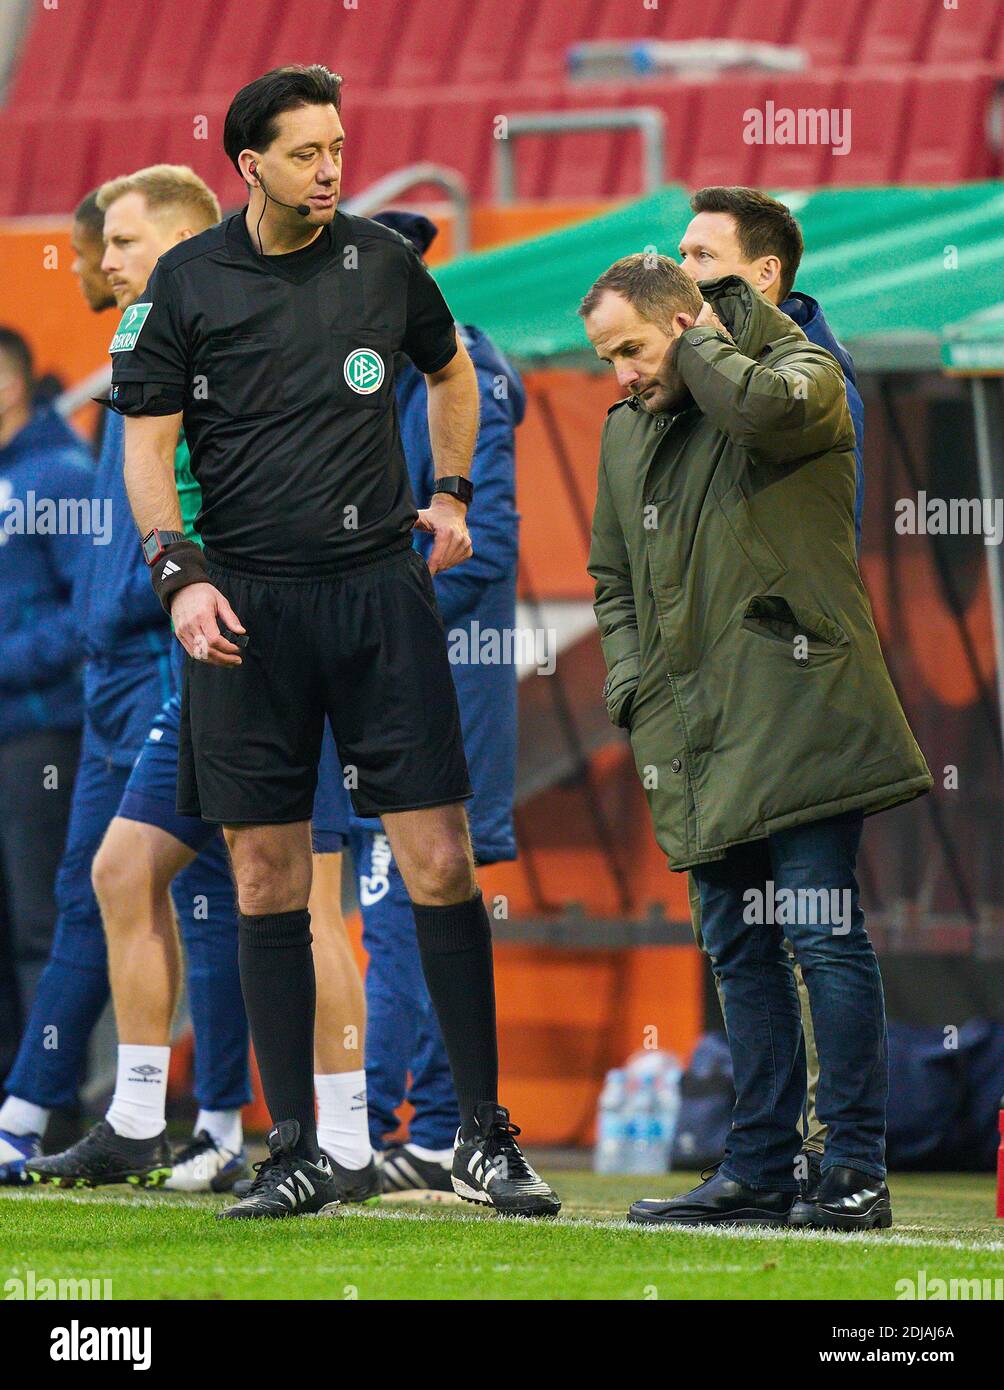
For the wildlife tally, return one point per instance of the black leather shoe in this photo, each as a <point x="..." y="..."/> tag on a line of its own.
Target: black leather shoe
<point x="808" y="1186"/>
<point x="847" y="1200"/>
<point x="717" y="1202"/>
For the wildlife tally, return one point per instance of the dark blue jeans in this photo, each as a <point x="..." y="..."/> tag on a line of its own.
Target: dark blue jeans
<point x="798" y="884"/>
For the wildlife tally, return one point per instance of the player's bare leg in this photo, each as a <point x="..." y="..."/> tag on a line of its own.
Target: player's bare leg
<point x="132" y="874"/>
<point x="339" y="1033"/>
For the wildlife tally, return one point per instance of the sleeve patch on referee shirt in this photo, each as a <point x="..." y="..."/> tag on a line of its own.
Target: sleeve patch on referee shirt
<point x="131" y="326"/>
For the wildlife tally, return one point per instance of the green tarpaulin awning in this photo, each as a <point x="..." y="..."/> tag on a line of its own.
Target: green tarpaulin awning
<point x="892" y="267"/>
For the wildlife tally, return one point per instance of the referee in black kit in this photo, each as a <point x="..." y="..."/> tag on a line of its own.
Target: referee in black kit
<point x="271" y="337"/>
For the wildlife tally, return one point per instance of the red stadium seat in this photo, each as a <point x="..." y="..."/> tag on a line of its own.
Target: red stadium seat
<point x="828" y="32"/>
<point x="937" y="150"/>
<point x="720" y="152"/>
<point x="615" y="20"/>
<point x="167" y="68"/>
<point x="48" y="66"/>
<point x="677" y="101"/>
<point x="308" y="29"/>
<point x="111" y="46"/>
<point x="802" y="165"/>
<point x="550" y="33"/>
<point x="460" y="135"/>
<point x="686" y="20"/>
<point x="491" y="42"/>
<point x="876" y="105"/>
<point x="430" y="36"/>
<point x="966" y="34"/>
<point x="765" y="21"/>
<point x="237" y="47"/>
<point x="895" y="31"/>
<point x="373" y="153"/>
<point x="362" y="42"/>
<point x="76" y="147"/>
<point x="15" y="143"/>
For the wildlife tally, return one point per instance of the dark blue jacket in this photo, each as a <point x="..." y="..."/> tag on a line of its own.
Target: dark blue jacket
<point x="127" y="636"/>
<point x="40" y="650"/>
<point x="483" y="588"/>
<point x="812" y="321"/>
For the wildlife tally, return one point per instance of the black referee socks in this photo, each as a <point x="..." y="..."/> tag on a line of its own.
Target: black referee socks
<point x="277" y="981"/>
<point x="455" y="944"/>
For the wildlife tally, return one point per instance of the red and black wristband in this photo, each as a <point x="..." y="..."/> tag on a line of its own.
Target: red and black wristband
<point x="174" y="562"/>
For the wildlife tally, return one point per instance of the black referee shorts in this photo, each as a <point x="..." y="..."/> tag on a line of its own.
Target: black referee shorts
<point x="366" y="648"/>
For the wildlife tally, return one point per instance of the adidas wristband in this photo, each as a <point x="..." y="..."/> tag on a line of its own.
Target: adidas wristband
<point x="178" y="566"/>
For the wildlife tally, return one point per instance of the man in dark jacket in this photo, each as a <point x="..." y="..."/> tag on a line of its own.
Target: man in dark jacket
<point x="45" y="484"/>
<point x="741" y="231"/>
<point x="742" y="655"/>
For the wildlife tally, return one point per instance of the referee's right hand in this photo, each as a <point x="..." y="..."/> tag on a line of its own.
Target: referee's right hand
<point x="195" y="610"/>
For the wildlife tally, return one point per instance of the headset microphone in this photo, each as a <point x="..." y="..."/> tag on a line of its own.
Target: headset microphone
<point x="301" y="208"/>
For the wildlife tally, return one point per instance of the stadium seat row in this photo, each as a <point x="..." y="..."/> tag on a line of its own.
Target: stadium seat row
<point x="201" y="49"/>
<point x="898" y="134"/>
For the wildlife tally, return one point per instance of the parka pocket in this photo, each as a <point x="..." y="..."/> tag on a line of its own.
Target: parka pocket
<point x="773" y="617"/>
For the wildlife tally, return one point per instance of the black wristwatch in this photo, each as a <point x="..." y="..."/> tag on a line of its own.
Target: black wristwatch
<point x="157" y="542"/>
<point x="457" y="486"/>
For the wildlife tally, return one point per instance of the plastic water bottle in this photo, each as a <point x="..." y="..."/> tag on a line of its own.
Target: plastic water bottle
<point x="646" y="1140"/>
<point x="610" y="1154"/>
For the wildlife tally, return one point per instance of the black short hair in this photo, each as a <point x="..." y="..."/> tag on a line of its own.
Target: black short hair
<point x="764" y="227"/>
<point x="251" y="119"/>
<point x="90" y="216"/>
<point x="17" y="351"/>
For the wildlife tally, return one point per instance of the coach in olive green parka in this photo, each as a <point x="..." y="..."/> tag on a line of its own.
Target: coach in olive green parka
<point x="738" y="637"/>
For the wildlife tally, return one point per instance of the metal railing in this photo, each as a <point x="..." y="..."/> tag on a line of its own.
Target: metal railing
<point x="647" y="120"/>
<point x="392" y="185"/>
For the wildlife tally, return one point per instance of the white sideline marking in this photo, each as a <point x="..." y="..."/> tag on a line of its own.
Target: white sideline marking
<point x="765" y="1233"/>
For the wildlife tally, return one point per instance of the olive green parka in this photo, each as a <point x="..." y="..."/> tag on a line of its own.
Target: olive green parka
<point x="739" y="641"/>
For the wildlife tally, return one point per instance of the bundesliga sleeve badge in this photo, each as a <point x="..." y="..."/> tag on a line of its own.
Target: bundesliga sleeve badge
<point x="131" y="326"/>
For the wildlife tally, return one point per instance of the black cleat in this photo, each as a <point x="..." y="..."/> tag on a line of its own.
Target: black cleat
<point x="352" y="1184"/>
<point x="356" y="1184"/>
<point x="846" y="1200"/>
<point x="285" y="1184"/>
<point x="103" y="1157"/>
<point x="404" y="1175"/>
<point x="717" y="1202"/>
<point x="490" y="1168"/>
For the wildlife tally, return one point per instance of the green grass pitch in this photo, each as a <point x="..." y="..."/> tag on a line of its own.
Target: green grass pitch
<point x="156" y="1245"/>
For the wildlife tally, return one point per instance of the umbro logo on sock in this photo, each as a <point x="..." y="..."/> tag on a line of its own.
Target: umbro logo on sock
<point x="145" y="1073"/>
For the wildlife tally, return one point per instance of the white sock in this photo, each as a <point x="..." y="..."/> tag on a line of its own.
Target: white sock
<point x="342" y="1120"/>
<point x="137" y="1108"/>
<point x="223" y="1127"/>
<point x="21" y="1117"/>
<point x="444" y="1156"/>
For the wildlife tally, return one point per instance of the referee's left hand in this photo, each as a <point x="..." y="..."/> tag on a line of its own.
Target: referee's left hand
<point x="446" y="517"/>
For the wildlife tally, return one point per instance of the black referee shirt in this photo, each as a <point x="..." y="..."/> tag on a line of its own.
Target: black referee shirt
<point x="284" y="368"/>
